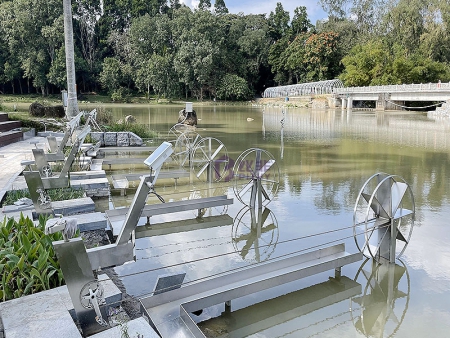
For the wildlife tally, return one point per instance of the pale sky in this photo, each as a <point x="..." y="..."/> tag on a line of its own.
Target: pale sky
<point x="313" y="8"/>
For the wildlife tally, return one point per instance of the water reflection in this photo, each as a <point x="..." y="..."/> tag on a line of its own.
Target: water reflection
<point x="255" y="234"/>
<point x="324" y="158"/>
<point x="292" y="314"/>
<point x="381" y="308"/>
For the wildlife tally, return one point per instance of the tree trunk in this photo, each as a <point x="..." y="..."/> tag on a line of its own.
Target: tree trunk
<point x="72" y="103"/>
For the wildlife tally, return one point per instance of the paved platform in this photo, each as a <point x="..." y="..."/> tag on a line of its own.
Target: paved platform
<point x="10" y="157"/>
<point x="48" y="314"/>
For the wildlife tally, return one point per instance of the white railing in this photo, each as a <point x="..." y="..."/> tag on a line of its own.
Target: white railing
<point x="395" y="88"/>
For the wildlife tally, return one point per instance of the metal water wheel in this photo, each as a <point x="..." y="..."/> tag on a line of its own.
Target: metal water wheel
<point x="383" y="217"/>
<point x="178" y="129"/>
<point x="184" y="147"/>
<point x="256" y="177"/>
<point x="209" y="159"/>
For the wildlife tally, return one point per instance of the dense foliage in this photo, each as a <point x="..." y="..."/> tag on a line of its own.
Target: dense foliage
<point x="166" y="49"/>
<point x="28" y="262"/>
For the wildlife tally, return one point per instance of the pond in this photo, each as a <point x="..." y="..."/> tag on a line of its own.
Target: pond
<point x="324" y="158"/>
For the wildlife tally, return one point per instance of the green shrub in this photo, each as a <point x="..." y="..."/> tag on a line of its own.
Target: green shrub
<point x="28" y="262"/>
<point x="27" y="121"/>
<point x="59" y="194"/>
<point x="104" y="116"/>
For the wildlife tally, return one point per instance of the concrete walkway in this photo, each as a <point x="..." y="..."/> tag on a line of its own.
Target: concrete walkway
<point x="10" y="157"/>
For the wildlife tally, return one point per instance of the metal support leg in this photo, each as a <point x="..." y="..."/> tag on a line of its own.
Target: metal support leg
<point x="78" y="275"/>
<point x="337" y="273"/>
<point x="228" y="306"/>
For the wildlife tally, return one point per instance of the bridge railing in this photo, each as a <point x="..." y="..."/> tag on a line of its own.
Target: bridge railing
<point x="395" y="88"/>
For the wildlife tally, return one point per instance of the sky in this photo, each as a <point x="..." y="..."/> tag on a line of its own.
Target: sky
<point x="313" y="8"/>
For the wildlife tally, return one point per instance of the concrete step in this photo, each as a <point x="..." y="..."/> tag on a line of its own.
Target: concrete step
<point x="9" y="137"/>
<point x="3" y="117"/>
<point x="9" y="125"/>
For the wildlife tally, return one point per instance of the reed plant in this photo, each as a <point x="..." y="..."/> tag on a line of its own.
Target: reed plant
<point x="28" y="262"/>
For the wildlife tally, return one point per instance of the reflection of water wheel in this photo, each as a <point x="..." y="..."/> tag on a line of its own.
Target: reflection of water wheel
<point x="385" y="299"/>
<point x="255" y="235"/>
<point x="210" y="192"/>
<point x="384" y="209"/>
<point x="256" y="177"/>
<point x="210" y="159"/>
<point x="184" y="146"/>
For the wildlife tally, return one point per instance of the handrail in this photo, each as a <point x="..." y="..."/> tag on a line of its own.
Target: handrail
<point x="395" y="88"/>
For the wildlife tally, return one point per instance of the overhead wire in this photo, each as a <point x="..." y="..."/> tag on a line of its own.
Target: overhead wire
<point x="244" y="266"/>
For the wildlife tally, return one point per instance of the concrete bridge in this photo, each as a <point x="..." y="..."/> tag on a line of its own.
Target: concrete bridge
<point x="390" y="96"/>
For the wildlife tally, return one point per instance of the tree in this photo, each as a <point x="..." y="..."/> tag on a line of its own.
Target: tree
<point x="277" y="61"/>
<point x="320" y="56"/>
<point x="278" y="22"/>
<point x="373" y="63"/>
<point x="336" y="9"/>
<point x="86" y="30"/>
<point x="233" y="87"/>
<point x="204" y="5"/>
<point x="220" y="8"/>
<point x="159" y="74"/>
<point x="111" y="76"/>
<point x="300" y="22"/>
<point x="404" y="23"/>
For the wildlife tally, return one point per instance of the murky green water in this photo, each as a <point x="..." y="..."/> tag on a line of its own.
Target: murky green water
<point x="324" y="158"/>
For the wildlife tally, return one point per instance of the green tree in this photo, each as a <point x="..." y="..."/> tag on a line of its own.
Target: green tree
<point x="320" y="56"/>
<point x="373" y="63"/>
<point x="220" y="8"/>
<point x="278" y="22"/>
<point x="233" y="87"/>
<point x="86" y="29"/>
<point x="404" y="23"/>
<point x="204" y="5"/>
<point x="111" y="77"/>
<point x="336" y="9"/>
<point x="300" y="22"/>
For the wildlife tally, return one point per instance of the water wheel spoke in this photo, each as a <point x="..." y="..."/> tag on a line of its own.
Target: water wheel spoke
<point x="265" y="194"/>
<point x="245" y="188"/>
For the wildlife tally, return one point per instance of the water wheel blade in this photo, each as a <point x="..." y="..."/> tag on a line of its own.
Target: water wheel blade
<point x="265" y="168"/>
<point x="265" y="214"/>
<point x="202" y="169"/>
<point x="402" y="213"/>
<point x="216" y="152"/>
<point x="400" y="237"/>
<point x="397" y="192"/>
<point x="376" y="205"/>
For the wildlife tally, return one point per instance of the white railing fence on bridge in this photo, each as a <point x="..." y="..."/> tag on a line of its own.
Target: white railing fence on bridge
<point x="301" y="89"/>
<point x="336" y="87"/>
<point x="395" y="88"/>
